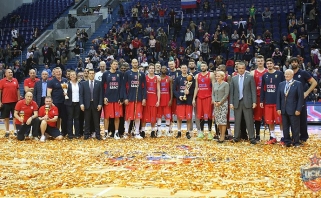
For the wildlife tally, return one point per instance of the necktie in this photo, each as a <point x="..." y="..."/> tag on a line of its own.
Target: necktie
<point x="287" y="87"/>
<point x="91" y="90"/>
<point x="241" y="87"/>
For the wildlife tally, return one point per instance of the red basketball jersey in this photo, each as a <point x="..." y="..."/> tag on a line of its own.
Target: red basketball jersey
<point x="151" y="85"/>
<point x="164" y="91"/>
<point x="204" y="85"/>
<point x="258" y="80"/>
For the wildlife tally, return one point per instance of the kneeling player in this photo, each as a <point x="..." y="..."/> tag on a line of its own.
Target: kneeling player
<point x="183" y="89"/>
<point x="48" y="116"/>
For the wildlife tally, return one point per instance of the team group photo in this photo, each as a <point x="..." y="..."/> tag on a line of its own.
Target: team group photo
<point x="183" y="98"/>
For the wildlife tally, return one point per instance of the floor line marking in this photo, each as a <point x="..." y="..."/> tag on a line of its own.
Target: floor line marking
<point x="103" y="192"/>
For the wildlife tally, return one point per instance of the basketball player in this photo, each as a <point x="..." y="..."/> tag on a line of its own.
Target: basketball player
<point x="166" y="97"/>
<point x="184" y="109"/>
<point x="270" y="84"/>
<point x="203" y="91"/>
<point x="113" y="107"/>
<point x="199" y="123"/>
<point x="309" y="83"/>
<point x="152" y="101"/>
<point x="258" y="111"/>
<point x="134" y="94"/>
<point x="173" y="73"/>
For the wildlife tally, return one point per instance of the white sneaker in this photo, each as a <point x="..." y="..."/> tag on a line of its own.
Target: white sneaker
<point x="116" y="136"/>
<point x="137" y="136"/>
<point x="43" y="138"/>
<point x="93" y="135"/>
<point x="168" y="134"/>
<point x="159" y="133"/>
<point x="125" y="136"/>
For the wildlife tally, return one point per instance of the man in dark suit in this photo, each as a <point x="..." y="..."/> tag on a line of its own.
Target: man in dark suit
<point x="40" y="89"/>
<point x="290" y="99"/>
<point x="243" y="100"/>
<point x="91" y="100"/>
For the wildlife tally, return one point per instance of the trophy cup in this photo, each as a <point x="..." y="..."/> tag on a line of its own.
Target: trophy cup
<point x="47" y="109"/>
<point x="189" y="82"/>
<point x="22" y="115"/>
<point x="64" y="87"/>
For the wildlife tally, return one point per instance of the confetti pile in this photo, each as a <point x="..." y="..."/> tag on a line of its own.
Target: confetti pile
<point x="35" y="169"/>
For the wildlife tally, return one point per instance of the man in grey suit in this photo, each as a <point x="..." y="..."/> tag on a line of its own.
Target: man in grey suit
<point x="243" y="99"/>
<point x="91" y="101"/>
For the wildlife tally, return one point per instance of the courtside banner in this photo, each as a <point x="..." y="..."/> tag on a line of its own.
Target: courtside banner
<point x="187" y="4"/>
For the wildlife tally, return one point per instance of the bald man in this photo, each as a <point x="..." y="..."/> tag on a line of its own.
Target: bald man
<point x="289" y="102"/>
<point x="30" y="82"/>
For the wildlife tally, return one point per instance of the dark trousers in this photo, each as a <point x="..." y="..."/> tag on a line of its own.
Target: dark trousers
<point x="303" y="124"/>
<point x="73" y="119"/>
<point x="81" y="123"/>
<point x="92" y="112"/>
<point x="248" y="117"/>
<point x="63" y="115"/>
<point x="42" y="102"/>
<point x="243" y="129"/>
<point x="25" y="129"/>
<point x="292" y="121"/>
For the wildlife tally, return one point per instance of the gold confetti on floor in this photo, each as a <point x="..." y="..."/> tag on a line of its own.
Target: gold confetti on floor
<point x="34" y="169"/>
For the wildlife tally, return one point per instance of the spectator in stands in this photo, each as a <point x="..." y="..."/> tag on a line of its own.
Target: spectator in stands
<point x="292" y="37"/>
<point x="237" y="49"/>
<point x="252" y="12"/>
<point x="224" y="43"/>
<point x="85" y="10"/>
<point x="63" y="54"/>
<point x="292" y="23"/>
<point x="76" y="51"/>
<point x="300" y="46"/>
<point x="61" y="66"/>
<point x="205" y="50"/>
<point x="90" y="65"/>
<point x="109" y="14"/>
<point x="14" y="33"/>
<point x="216" y="45"/>
<point x="312" y="19"/>
<point x="172" y="15"/>
<point x="121" y="11"/>
<point x="223" y="13"/>
<point x="286" y="66"/>
<point x="248" y="55"/>
<point x="235" y="36"/>
<point x="188" y="37"/>
<point x="35" y="33"/>
<point x="244" y="47"/>
<point x="300" y="22"/>
<point x="7" y="54"/>
<point x="206" y="6"/>
<point x="314" y="96"/>
<point x="72" y="21"/>
<point x="284" y="42"/>
<point x="302" y="32"/>
<point x="161" y="14"/>
<point x="277" y="55"/>
<point x="266" y="14"/>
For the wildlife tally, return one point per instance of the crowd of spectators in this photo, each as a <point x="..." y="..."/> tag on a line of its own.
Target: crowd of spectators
<point x="140" y="38"/>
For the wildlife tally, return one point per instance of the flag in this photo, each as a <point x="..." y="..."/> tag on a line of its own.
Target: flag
<point x="186" y="4"/>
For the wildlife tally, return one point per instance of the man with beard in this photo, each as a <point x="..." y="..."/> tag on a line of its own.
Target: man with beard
<point x="173" y="73"/>
<point x="305" y="78"/>
<point x="270" y="85"/>
<point x="113" y="107"/>
<point x="166" y="98"/>
<point x="203" y="91"/>
<point x="134" y="95"/>
<point x="184" y="109"/>
<point x="258" y="110"/>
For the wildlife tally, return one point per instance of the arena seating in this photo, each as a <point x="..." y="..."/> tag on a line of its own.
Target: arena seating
<point x="38" y="14"/>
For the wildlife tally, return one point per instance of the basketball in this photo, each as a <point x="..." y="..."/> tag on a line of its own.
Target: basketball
<point x="189" y="78"/>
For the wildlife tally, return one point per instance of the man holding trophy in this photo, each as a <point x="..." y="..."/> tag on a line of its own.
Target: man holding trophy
<point x="183" y="89"/>
<point x="26" y="113"/>
<point x="48" y="116"/>
<point x="57" y="89"/>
